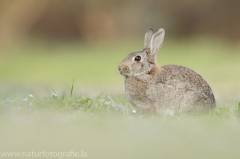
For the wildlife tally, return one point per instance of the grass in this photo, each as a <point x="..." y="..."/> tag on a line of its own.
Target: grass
<point x="70" y="97"/>
<point x="105" y="128"/>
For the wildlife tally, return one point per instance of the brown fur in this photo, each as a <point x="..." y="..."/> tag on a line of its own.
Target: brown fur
<point x="154" y="88"/>
<point x="154" y="70"/>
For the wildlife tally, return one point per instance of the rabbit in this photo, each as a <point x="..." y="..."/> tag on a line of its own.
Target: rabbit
<point x="155" y="89"/>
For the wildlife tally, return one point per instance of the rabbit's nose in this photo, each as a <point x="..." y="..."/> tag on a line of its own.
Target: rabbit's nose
<point x="119" y="68"/>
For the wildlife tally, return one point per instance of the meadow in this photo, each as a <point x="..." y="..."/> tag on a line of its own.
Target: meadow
<point x="61" y="97"/>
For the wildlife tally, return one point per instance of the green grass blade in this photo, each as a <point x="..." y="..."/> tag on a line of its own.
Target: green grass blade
<point x="53" y="90"/>
<point x="71" y="91"/>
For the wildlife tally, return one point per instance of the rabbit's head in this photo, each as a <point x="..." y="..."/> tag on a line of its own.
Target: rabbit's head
<point x="143" y="62"/>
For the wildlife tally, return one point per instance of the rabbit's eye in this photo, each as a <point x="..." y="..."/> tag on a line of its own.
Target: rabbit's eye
<point x="137" y="58"/>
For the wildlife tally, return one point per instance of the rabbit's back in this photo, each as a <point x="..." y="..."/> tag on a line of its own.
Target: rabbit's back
<point x="182" y="88"/>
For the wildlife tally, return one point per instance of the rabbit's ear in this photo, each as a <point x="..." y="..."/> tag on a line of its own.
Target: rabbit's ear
<point x="156" y="41"/>
<point x="148" y="37"/>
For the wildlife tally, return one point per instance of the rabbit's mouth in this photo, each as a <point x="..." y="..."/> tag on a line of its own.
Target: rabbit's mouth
<point x="125" y="75"/>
